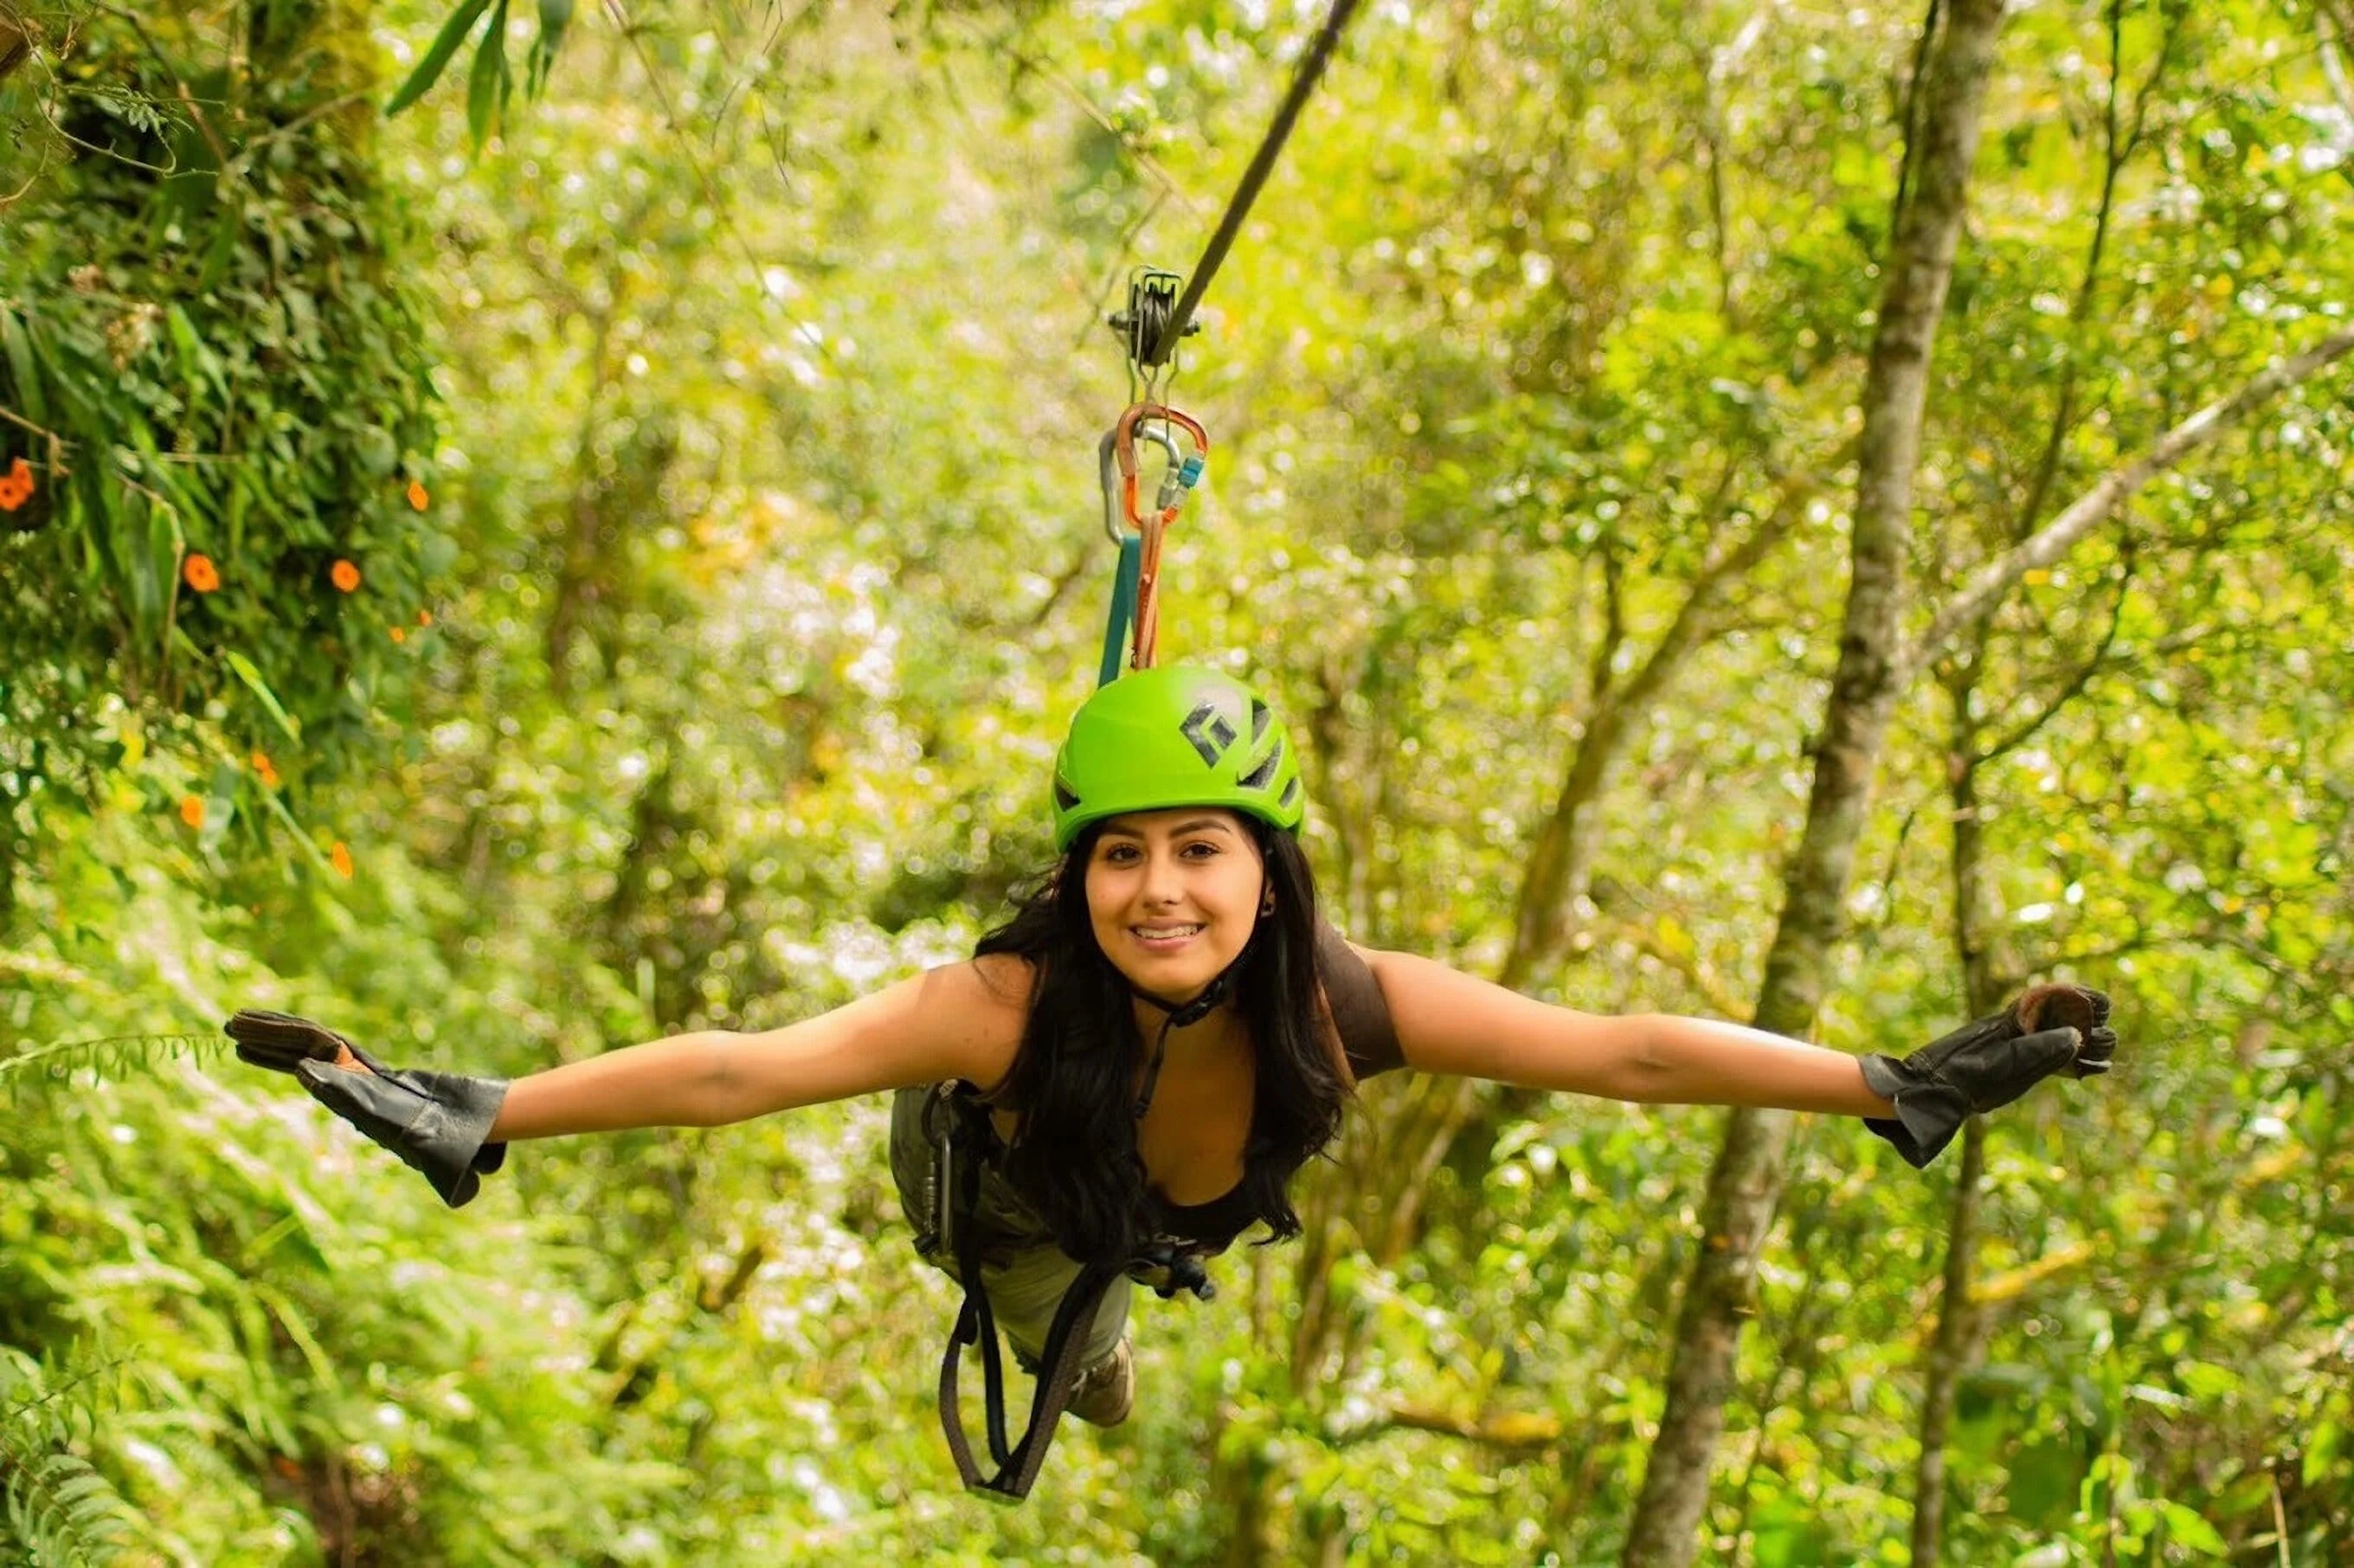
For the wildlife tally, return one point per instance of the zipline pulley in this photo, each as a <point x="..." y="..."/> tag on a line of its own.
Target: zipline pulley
<point x="1153" y="296"/>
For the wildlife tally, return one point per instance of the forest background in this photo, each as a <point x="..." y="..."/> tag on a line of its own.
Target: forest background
<point x="1775" y="511"/>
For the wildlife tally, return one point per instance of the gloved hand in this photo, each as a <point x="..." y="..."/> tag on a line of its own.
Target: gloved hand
<point x="1990" y="1063"/>
<point x="435" y="1121"/>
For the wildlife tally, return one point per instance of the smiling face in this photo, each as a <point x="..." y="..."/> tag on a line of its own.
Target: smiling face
<point x="1175" y="895"/>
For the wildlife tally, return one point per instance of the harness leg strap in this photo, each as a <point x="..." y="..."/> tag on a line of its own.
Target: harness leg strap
<point x="961" y="1133"/>
<point x="1058" y="1372"/>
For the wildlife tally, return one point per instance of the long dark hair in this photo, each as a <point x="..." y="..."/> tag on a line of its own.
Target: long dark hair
<point x="1073" y="1079"/>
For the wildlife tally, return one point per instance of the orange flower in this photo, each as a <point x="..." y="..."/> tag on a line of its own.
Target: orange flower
<point x="345" y="576"/>
<point x="198" y="572"/>
<point x="341" y="858"/>
<point x="18" y="488"/>
<point x="269" y="775"/>
<point x="424" y="617"/>
<point x="417" y="496"/>
<point x="397" y="634"/>
<point x="192" y="811"/>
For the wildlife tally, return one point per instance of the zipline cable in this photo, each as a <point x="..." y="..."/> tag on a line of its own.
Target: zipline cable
<point x="1262" y="163"/>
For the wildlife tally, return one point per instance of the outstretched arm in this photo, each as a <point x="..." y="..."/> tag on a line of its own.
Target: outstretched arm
<point x="1449" y="1021"/>
<point x="961" y="1022"/>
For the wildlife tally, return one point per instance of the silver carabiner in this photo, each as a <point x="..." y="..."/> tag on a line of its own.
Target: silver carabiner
<point x="1108" y="468"/>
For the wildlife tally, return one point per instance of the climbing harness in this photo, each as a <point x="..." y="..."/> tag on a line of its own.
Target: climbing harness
<point x="956" y="1123"/>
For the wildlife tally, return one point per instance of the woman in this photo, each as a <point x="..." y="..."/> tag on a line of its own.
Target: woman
<point x="1142" y="1058"/>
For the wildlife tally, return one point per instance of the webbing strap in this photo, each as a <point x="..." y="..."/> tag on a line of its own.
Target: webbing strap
<point x="1016" y="1464"/>
<point x="1123" y="606"/>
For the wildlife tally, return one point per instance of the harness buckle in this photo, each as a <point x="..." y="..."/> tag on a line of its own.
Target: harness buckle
<point x="1176" y="1270"/>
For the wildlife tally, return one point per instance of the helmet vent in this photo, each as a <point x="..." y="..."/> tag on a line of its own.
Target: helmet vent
<point x="1260" y="719"/>
<point x="1064" y="799"/>
<point x="1290" y="793"/>
<point x="1259" y="777"/>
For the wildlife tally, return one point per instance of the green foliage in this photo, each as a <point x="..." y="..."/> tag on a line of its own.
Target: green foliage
<point x="216" y="377"/>
<point x="490" y="82"/>
<point x="59" y="1508"/>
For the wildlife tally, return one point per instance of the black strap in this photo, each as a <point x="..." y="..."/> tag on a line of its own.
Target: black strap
<point x="1184" y="1014"/>
<point x="1066" y="1344"/>
<point x="962" y="1121"/>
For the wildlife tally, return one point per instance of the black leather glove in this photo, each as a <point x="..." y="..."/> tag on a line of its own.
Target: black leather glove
<point x="435" y="1121"/>
<point x="1990" y="1063"/>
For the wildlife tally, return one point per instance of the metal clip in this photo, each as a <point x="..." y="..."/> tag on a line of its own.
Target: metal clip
<point x="1179" y="1270"/>
<point x="939" y="1184"/>
<point x="1119" y="513"/>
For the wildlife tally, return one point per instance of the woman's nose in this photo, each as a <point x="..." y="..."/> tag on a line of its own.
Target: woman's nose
<point x="1160" y="883"/>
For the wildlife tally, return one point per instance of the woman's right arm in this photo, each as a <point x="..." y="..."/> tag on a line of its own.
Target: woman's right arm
<point x="963" y="1020"/>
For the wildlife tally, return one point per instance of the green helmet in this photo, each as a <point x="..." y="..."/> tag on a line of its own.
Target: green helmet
<point x="1177" y="735"/>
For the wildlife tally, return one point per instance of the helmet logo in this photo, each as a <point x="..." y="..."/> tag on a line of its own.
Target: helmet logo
<point x="1207" y="728"/>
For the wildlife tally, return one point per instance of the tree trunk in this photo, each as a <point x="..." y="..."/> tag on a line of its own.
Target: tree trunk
<point x="1748" y="1179"/>
<point x="1393" y="1154"/>
<point x="1951" y="1354"/>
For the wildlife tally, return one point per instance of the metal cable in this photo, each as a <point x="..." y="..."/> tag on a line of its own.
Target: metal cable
<point x="1262" y="164"/>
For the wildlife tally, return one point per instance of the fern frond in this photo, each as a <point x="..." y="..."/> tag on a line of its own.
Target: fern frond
<point x="60" y="1511"/>
<point x="55" y="1507"/>
<point x="58" y="1060"/>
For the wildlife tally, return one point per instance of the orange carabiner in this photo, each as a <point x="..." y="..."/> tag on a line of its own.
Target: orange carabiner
<point x="1150" y="528"/>
<point x="1183" y="478"/>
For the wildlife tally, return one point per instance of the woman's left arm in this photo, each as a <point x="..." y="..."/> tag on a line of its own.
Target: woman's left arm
<point x="1449" y="1021"/>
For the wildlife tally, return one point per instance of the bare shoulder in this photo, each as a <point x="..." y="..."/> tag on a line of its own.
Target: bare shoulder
<point x="980" y="1007"/>
<point x="1009" y="978"/>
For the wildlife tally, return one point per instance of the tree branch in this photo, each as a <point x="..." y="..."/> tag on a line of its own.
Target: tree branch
<point x="2088" y="511"/>
<point x="1519" y="1431"/>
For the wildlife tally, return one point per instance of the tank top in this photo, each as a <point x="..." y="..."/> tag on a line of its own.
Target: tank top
<point x="1368" y="1039"/>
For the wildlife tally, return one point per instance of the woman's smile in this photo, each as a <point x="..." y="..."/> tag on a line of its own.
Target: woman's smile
<point x="1166" y="938"/>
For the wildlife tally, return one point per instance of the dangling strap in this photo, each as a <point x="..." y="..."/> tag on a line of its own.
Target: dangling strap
<point x="1123" y="608"/>
<point x="1058" y="1373"/>
<point x="1178" y="1015"/>
<point x="963" y="1121"/>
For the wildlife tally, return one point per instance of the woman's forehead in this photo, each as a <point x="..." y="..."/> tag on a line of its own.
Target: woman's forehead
<point x="1174" y="820"/>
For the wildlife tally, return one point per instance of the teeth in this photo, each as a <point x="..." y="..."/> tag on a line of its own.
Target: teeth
<point x="1156" y="933"/>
